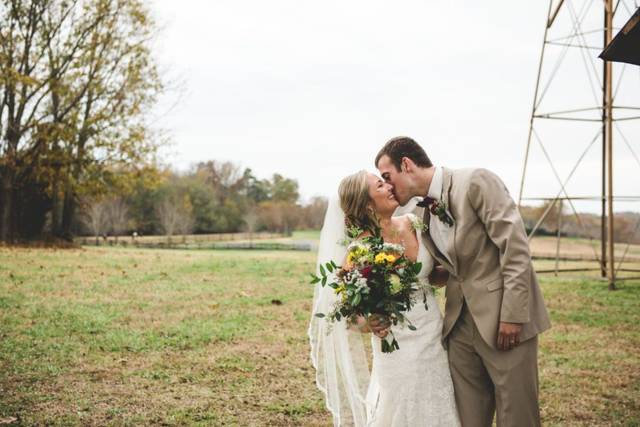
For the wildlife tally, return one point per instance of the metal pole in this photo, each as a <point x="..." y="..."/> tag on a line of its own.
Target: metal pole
<point x="535" y="100"/>
<point x="559" y="235"/>
<point x="603" y="215"/>
<point x="608" y="91"/>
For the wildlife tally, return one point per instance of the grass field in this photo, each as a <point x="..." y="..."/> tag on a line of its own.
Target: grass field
<point x="112" y="336"/>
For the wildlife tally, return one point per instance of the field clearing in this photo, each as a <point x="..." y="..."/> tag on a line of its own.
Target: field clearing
<point x="540" y="245"/>
<point x="581" y="247"/>
<point x="188" y="239"/>
<point x="114" y="336"/>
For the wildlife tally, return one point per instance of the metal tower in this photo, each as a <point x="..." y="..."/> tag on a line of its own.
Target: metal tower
<point x="576" y="31"/>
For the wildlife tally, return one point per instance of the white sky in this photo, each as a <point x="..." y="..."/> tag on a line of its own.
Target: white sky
<point x="312" y="89"/>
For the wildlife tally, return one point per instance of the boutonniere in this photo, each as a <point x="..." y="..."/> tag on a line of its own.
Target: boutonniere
<point x="437" y="208"/>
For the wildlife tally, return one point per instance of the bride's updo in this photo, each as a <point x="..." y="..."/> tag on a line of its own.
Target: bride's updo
<point x="355" y="201"/>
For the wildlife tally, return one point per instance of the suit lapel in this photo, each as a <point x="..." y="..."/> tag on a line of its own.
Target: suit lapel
<point x="447" y="182"/>
<point x="429" y="243"/>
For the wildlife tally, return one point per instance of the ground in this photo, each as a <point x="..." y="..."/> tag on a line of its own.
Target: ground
<point x="114" y="336"/>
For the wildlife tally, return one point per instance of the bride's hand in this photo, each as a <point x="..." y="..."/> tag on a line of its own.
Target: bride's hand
<point x="379" y="325"/>
<point x="360" y="323"/>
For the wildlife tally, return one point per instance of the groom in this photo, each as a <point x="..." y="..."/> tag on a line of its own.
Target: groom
<point x="494" y="308"/>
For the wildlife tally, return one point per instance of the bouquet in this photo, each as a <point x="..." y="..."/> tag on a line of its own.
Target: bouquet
<point x="376" y="279"/>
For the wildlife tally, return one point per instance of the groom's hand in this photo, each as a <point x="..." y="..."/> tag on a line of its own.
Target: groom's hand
<point x="379" y="325"/>
<point x="438" y="276"/>
<point x="509" y="335"/>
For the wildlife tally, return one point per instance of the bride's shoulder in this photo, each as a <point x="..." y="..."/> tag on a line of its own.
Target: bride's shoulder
<point x="407" y="219"/>
<point x="406" y="222"/>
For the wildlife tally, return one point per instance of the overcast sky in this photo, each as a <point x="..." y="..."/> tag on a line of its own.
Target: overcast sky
<point x="312" y="89"/>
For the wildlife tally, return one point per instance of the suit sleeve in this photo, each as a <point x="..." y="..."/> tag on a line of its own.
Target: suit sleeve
<point x="502" y="221"/>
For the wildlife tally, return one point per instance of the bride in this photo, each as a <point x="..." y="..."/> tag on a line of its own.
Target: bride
<point x="409" y="387"/>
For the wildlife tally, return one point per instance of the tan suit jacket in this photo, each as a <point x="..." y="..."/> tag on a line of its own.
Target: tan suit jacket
<point x="491" y="266"/>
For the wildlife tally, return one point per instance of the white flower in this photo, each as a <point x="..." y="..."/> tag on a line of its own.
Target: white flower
<point x="362" y="286"/>
<point x="418" y="224"/>
<point x="393" y="247"/>
<point x="357" y="245"/>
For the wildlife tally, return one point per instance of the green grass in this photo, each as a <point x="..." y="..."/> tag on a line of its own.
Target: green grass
<point x="306" y="235"/>
<point x="112" y="336"/>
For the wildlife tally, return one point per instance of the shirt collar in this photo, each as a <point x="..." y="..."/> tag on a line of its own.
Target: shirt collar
<point x="435" y="189"/>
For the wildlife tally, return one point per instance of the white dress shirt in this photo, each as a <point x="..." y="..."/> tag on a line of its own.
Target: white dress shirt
<point x="439" y="231"/>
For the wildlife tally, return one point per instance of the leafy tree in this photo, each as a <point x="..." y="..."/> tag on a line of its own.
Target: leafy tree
<point x="284" y="189"/>
<point x="76" y="80"/>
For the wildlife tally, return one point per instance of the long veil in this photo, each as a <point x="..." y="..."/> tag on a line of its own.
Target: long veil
<point x="337" y="353"/>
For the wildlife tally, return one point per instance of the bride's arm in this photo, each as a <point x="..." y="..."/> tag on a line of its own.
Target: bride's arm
<point x="438" y="276"/>
<point x="359" y="324"/>
<point x="379" y="326"/>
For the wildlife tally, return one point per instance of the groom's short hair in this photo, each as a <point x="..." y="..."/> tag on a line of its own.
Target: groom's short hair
<point x="403" y="146"/>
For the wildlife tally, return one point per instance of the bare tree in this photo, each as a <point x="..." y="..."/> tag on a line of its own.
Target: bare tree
<point x="175" y="217"/>
<point x="314" y="212"/>
<point x="96" y="218"/>
<point x="118" y="212"/>
<point x="251" y="220"/>
<point x="167" y="213"/>
<point x="186" y="221"/>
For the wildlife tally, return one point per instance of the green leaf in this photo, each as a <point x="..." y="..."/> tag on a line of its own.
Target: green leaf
<point x="411" y="327"/>
<point x="356" y="299"/>
<point x="314" y="279"/>
<point x="322" y="270"/>
<point x="417" y="267"/>
<point x="330" y="267"/>
<point x="324" y="280"/>
<point x="320" y="315"/>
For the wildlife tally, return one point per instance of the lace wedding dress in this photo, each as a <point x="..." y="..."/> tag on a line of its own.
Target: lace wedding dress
<point x="412" y="386"/>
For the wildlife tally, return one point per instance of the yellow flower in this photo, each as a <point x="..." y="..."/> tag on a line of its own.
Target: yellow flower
<point x="396" y="285"/>
<point x="382" y="257"/>
<point x="356" y="253"/>
<point x="342" y="289"/>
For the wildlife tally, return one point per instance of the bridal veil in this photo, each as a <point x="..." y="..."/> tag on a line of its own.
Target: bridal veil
<point x="337" y="353"/>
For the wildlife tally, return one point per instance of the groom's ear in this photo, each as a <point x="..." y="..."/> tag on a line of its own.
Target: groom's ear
<point x="406" y="164"/>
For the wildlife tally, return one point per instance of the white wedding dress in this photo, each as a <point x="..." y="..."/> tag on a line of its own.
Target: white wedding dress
<point x="412" y="387"/>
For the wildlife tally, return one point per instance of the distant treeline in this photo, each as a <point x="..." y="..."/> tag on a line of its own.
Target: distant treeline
<point x="213" y="197"/>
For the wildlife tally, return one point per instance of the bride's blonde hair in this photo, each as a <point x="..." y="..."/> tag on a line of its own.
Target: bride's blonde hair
<point x="355" y="202"/>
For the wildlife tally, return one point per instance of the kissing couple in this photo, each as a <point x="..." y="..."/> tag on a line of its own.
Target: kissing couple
<point x="479" y="359"/>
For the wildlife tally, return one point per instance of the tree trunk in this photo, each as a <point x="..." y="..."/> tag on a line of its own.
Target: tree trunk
<point x="68" y="212"/>
<point x="55" y="205"/>
<point x="6" y="229"/>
